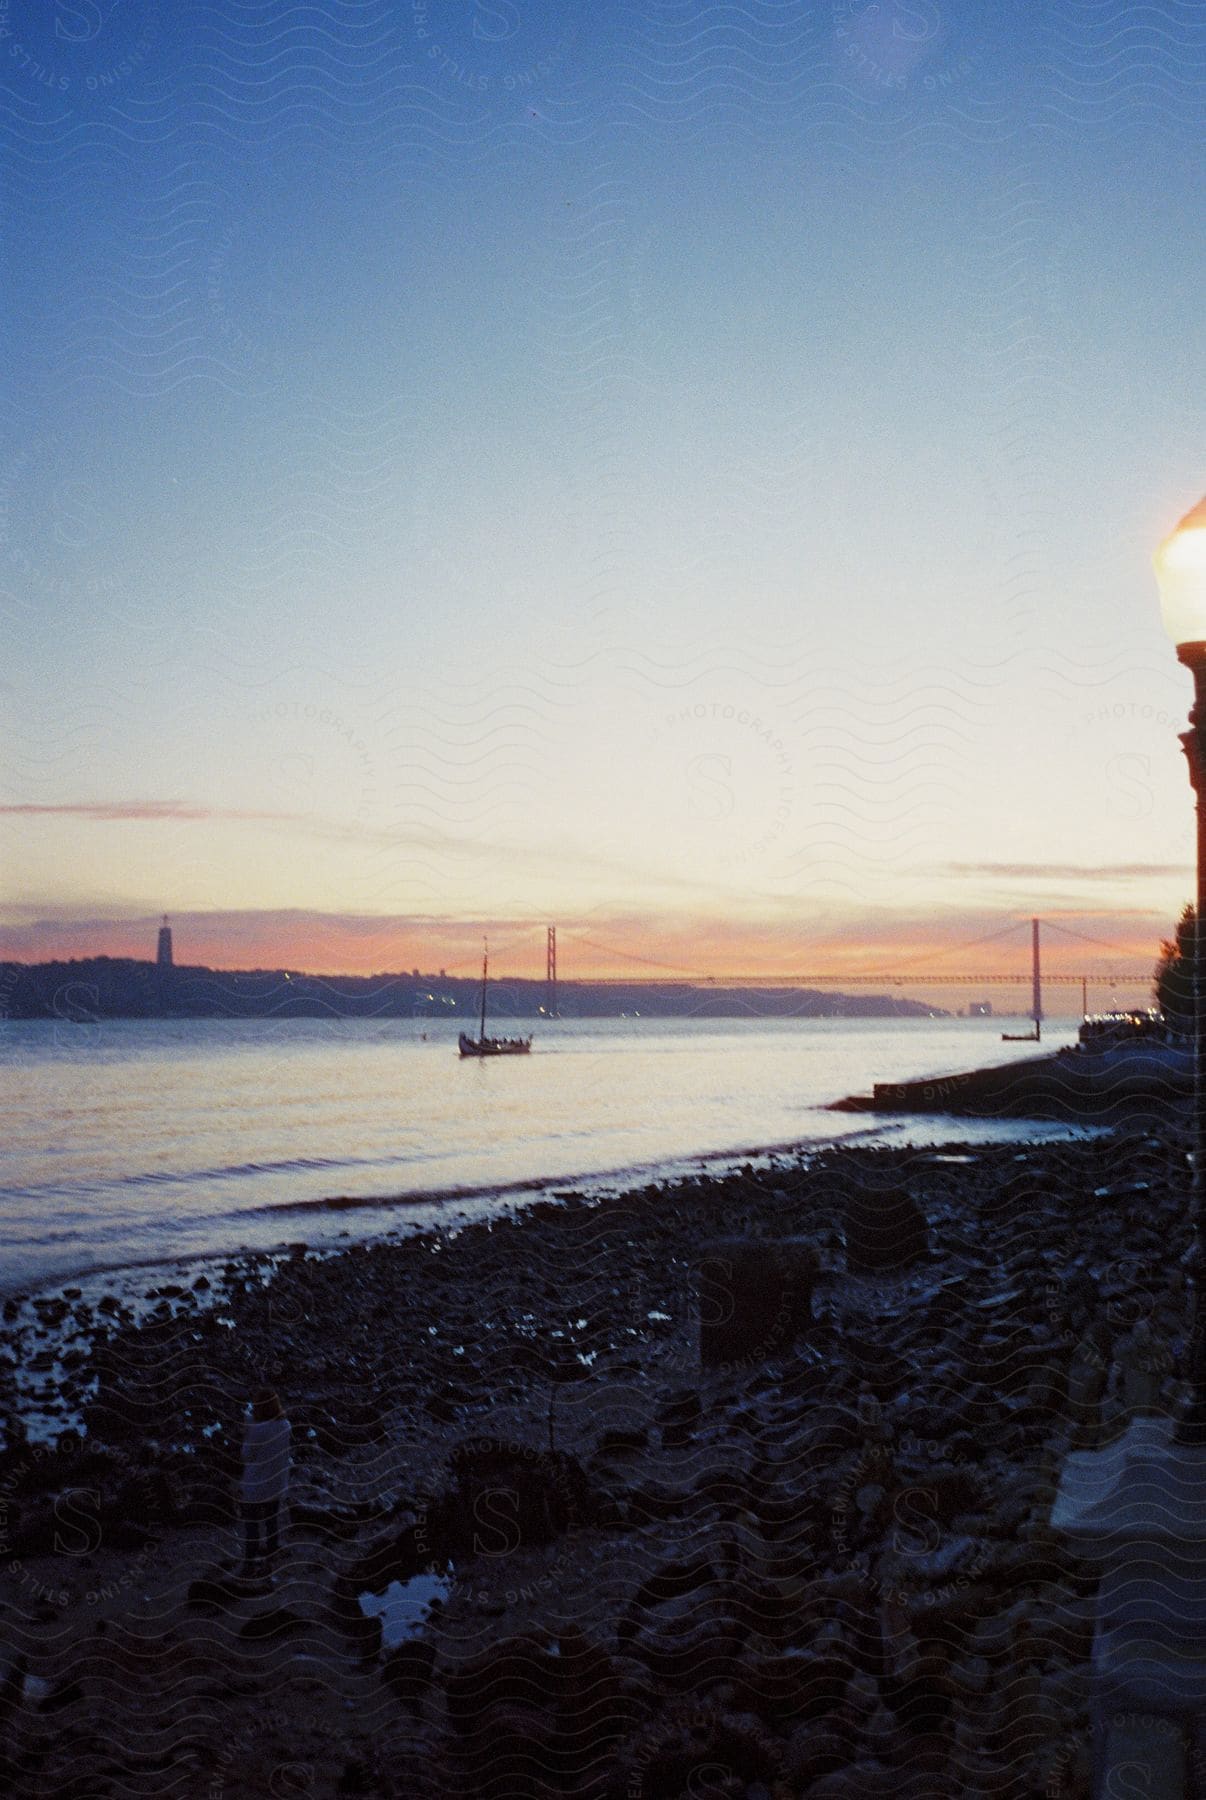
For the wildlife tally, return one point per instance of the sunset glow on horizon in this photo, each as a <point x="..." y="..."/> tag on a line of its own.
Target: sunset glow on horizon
<point x="922" y="960"/>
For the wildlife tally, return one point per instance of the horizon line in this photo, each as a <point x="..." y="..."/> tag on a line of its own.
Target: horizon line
<point x="689" y="978"/>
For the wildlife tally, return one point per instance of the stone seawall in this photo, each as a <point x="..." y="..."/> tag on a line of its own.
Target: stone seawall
<point x="1066" y="1085"/>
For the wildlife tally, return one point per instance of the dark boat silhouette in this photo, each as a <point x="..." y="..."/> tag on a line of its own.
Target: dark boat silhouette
<point x="490" y="1046"/>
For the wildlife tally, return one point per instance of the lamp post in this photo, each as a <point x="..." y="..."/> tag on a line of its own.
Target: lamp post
<point x="1181" y="573"/>
<point x="1135" y="1507"/>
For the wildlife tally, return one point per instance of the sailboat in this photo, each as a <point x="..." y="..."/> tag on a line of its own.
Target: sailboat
<point x="490" y="1046"/>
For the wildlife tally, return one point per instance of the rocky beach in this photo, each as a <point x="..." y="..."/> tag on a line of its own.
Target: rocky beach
<point x="732" y="1487"/>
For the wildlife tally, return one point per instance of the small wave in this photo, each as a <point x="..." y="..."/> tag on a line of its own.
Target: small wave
<point x="585" y="1182"/>
<point x="220" y="1172"/>
<point x="424" y="1197"/>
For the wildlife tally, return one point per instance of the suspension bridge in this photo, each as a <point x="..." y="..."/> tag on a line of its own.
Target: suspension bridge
<point x="931" y="970"/>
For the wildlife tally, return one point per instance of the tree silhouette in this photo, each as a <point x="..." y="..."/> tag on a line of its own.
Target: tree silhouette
<point x="1175" y="973"/>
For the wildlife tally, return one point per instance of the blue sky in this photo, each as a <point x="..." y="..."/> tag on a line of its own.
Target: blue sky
<point x="414" y="413"/>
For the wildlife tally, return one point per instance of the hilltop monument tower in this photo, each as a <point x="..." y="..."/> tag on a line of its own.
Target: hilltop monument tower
<point x="164" y="955"/>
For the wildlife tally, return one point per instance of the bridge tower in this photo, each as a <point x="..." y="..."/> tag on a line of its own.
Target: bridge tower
<point x="550" y="973"/>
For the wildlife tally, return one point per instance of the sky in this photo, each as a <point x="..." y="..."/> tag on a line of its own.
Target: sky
<point x="687" y="473"/>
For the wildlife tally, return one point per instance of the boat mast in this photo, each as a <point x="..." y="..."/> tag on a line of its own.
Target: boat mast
<point x="485" y="964"/>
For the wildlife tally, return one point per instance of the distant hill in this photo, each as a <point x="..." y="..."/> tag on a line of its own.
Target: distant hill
<point x="106" y="987"/>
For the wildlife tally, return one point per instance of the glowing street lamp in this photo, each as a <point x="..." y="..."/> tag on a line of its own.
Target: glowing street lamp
<point x="1181" y="574"/>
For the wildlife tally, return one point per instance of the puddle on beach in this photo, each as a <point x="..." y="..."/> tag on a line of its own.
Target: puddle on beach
<point x="404" y="1606"/>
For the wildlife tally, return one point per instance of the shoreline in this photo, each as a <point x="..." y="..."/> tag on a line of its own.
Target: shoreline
<point x="502" y="1197"/>
<point x="557" y="1346"/>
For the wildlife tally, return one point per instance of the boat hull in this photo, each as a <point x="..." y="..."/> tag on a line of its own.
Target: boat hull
<point x="488" y="1046"/>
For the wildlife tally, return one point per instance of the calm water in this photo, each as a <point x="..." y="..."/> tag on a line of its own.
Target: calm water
<point x="145" y="1141"/>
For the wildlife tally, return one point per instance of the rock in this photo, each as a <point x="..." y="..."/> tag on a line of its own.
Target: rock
<point x="658" y="1501"/>
<point x="592" y="1713"/>
<point x="933" y="1424"/>
<point x="29" y="1528"/>
<point x="149" y="1498"/>
<point x="621" y="1443"/>
<point x="972" y="1674"/>
<point x="344" y="1615"/>
<point x="795" y="1685"/>
<point x="125" y="1534"/>
<point x="338" y="1523"/>
<point x="678" y="1418"/>
<point x="859" y="1781"/>
<point x="1028" y="1713"/>
<point x="879" y="1366"/>
<point x="355" y="1778"/>
<point x="363" y="1631"/>
<point x="885" y="1233"/>
<point x="882" y="1734"/>
<point x="1007" y="1360"/>
<point x="831" y="1430"/>
<point x="520" y="1672"/>
<point x="509" y="1750"/>
<point x="407" y="1671"/>
<point x="274" y="1624"/>
<point x="690" y="1654"/>
<point x="870" y="1499"/>
<point x="570" y="1705"/>
<point x="952" y="1556"/>
<point x="994" y="1632"/>
<point x="695" y="1748"/>
<point x="813" y="1751"/>
<point x="861" y="1696"/>
<point x="949" y="1489"/>
<point x="755" y="1297"/>
<point x="925" y="1695"/>
<point x="348" y="1427"/>
<point x="950" y="1615"/>
<point x="673" y="1580"/>
<point x="64" y="1694"/>
<point x="398" y="1558"/>
<point x="727" y="1489"/>
<point x="508" y="1497"/>
<point x="214" y="1594"/>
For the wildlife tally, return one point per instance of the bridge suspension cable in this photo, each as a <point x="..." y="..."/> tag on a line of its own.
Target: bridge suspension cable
<point x="914" y="971"/>
<point x="1101" y="943"/>
<point x="1112" y="978"/>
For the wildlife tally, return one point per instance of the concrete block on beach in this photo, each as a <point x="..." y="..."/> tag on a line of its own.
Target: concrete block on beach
<point x="884" y="1233"/>
<point x="755" y="1296"/>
